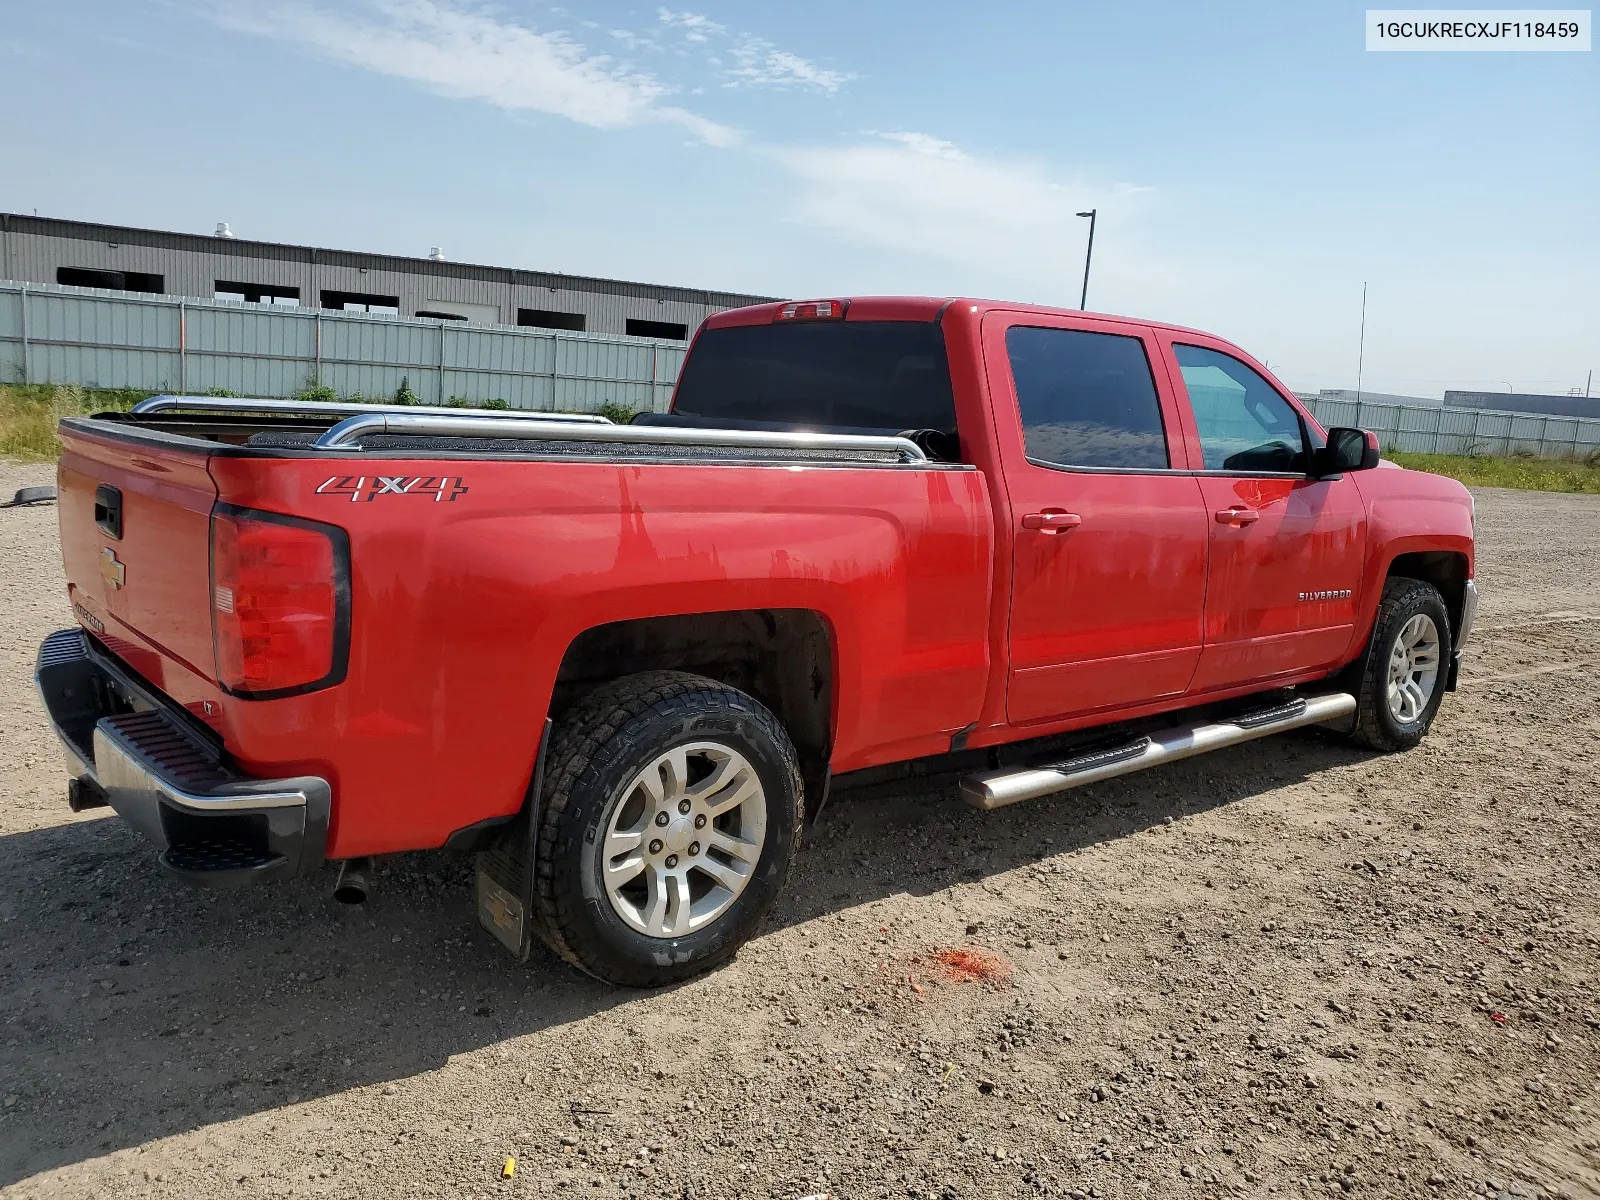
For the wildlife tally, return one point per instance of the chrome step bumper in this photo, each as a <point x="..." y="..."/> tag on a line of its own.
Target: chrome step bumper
<point x="212" y="824"/>
<point x="995" y="789"/>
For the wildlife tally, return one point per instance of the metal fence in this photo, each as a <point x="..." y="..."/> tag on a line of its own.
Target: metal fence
<point x="51" y="334"/>
<point x="96" y="338"/>
<point x="1463" y="430"/>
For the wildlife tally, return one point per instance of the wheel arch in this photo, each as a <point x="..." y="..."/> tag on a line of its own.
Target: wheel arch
<point x="784" y="657"/>
<point x="1446" y="570"/>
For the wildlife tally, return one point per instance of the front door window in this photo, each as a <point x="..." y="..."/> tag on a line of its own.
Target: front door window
<point x="1245" y="426"/>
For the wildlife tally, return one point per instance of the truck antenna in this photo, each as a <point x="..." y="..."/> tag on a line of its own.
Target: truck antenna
<point x="1361" y="349"/>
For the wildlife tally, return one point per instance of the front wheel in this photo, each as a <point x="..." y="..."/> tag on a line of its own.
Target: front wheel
<point x="672" y="813"/>
<point x="1402" y="677"/>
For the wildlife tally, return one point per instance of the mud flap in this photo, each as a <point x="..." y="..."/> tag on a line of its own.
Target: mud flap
<point x="505" y="872"/>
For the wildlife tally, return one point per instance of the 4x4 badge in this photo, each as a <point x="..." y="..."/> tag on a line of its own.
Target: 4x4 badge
<point x="360" y="488"/>
<point x="111" y="570"/>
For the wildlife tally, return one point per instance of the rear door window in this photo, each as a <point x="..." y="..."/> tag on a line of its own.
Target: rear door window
<point x="1087" y="399"/>
<point x="878" y="376"/>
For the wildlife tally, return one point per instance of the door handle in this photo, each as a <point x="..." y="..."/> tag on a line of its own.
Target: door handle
<point x="1051" y="521"/>
<point x="1237" y="515"/>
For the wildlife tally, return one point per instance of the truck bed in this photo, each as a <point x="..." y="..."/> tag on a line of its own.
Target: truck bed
<point x="468" y="583"/>
<point x="272" y="432"/>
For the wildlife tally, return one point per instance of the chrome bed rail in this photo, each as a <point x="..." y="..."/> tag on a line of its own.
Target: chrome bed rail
<point x="346" y="435"/>
<point x="341" y="408"/>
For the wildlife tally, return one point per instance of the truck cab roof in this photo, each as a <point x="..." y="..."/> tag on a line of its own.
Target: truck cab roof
<point x="924" y="308"/>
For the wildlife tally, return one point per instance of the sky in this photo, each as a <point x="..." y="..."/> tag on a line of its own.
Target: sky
<point x="1253" y="166"/>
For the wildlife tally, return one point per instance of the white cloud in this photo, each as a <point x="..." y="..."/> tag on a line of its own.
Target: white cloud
<point x="697" y="27"/>
<point x="758" y="63"/>
<point x="915" y="193"/>
<point x="634" y="41"/>
<point x="470" y="55"/>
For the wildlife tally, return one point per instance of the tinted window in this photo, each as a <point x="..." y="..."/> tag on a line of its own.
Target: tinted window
<point x="1087" y="399"/>
<point x="125" y="281"/>
<point x="884" y="376"/>
<point x="1244" y="424"/>
<point x="657" y="329"/>
<point x="257" y="293"/>
<point x="544" y="318"/>
<point x="360" y="302"/>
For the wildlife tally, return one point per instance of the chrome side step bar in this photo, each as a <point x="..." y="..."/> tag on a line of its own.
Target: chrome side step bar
<point x="996" y="789"/>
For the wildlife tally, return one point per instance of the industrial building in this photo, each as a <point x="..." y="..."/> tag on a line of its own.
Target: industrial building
<point x="1351" y="395"/>
<point x="1571" y="405"/>
<point x="1574" y="404"/>
<point x="224" y="267"/>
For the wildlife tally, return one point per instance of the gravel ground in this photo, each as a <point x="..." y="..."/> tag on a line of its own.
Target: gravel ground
<point x="1291" y="968"/>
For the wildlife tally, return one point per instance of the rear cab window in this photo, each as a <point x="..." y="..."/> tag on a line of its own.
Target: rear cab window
<point x="884" y="377"/>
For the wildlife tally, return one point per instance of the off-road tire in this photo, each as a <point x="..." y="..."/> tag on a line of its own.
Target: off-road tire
<point x="1376" y="727"/>
<point x="595" y="750"/>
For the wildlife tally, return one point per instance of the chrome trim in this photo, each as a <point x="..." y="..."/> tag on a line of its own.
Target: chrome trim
<point x="346" y="434"/>
<point x="119" y="763"/>
<point x="313" y="408"/>
<point x="213" y="825"/>
<point x="121" y="769"/>
<point x="1469" y="616"/>
<point x="1170" y="470"/>
<point x="77" y="766"/>
<point x="995" y="789"/>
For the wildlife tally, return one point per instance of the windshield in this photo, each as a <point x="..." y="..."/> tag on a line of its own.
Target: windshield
<point x="882" y="376"/>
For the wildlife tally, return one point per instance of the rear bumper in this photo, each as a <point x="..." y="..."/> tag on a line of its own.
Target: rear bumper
<point x="125" y="747"/>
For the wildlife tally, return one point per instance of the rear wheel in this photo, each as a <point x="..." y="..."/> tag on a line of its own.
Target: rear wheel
<point x="671" y="817"/>
<point x="1402" y="677"/>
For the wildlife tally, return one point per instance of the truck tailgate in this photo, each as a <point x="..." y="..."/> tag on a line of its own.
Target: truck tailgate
<point x="135" y="541"/>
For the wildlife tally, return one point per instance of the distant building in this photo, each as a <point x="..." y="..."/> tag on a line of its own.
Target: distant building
<point x="1553" y="406"/>
<point x="225" y="267"/>
<point x="1375" y="397"/>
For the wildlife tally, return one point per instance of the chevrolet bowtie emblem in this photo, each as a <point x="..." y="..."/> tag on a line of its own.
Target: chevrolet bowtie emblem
<point x="111" y="570"/>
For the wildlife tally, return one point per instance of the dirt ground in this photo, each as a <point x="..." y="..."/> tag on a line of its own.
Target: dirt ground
<point x="1291" y="968"/>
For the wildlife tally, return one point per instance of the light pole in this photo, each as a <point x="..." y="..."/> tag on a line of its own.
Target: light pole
<point x="1083" y="300"/>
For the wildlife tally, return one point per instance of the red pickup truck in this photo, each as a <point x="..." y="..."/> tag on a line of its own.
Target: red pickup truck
<point x="622" y="663"/>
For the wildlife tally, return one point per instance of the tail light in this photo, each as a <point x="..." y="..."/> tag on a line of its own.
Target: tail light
<point x="280" y="607"/>
<point x="812" y="310"/>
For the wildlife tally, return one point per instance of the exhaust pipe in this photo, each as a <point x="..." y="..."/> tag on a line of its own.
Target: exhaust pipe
<point x="352" y="886"/>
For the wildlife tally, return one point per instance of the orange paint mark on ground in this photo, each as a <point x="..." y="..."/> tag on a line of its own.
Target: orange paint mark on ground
<point x="972" y="966"/>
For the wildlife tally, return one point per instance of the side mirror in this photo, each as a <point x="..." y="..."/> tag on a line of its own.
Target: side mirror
<point x="1347" y="450"/>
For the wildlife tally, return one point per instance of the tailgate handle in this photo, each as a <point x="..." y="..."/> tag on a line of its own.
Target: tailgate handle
<point x="108" y="510"/>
